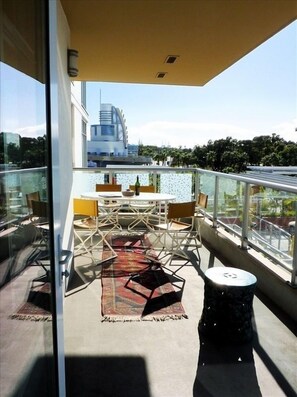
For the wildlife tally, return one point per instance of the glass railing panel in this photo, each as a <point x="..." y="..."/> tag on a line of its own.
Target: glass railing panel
<point x="127" y="179"/>
<point x="207" y="185"/>
<point x="230" y="202"/>
<point x="271" y="217"/>
<point x="85" y="181"/>
<point x="177" y="183"/>
<point x="180" y="184"/>
<point x="14" y="186"/>
<point x="273" y="220"/>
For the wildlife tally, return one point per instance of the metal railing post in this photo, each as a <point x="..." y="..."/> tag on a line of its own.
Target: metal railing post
<point x="110" y="174"/>
<point x="245" y="220"/>
<point x="215" y="203"/>
<point x="294" y="253"/>
<point x="197" y="183"/>
<point x="155" y="180"/>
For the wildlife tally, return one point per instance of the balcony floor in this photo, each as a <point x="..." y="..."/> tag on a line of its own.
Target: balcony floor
<point x="168" y="358"/>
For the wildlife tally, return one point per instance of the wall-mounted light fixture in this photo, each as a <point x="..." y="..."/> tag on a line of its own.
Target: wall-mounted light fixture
<point x="72" y="62"/>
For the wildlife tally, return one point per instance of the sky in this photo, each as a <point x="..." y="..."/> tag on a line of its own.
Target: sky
<point x="255" y="96"/>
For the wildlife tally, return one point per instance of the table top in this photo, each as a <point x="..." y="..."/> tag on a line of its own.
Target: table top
<point x="230" y="276"/>
<point x="117" y="196"/>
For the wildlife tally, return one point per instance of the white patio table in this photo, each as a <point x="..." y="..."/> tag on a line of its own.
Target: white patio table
<point x="158" y="198"/>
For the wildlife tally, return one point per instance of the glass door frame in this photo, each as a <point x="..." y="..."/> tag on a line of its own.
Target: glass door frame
<point x="53" y="194"/>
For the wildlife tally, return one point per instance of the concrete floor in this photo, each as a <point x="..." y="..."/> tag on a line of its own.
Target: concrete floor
<point x="169" y="358"/>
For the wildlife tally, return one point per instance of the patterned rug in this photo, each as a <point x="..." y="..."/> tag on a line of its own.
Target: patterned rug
<point x="135" y="287"/>
<point x="38" y="305"/>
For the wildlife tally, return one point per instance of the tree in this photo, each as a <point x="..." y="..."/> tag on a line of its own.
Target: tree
<point x="234" y="161"/>
<point x="272" y="159"/>
<point x="230" y="155"/>
<point x="200" y="156"/>
<point x="289" y="155"/>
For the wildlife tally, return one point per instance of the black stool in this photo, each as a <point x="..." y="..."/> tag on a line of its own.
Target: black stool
<point x="228" y="301"/>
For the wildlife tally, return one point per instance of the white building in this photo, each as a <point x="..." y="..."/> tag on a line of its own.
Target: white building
<point x="110" y="136"/>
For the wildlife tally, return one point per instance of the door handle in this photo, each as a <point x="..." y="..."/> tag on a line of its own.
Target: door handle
<point x="65" y="258"/>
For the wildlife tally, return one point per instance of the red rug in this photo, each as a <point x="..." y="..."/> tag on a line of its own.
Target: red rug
<point x="38" y="305"/>
<point x="134" y="287"/>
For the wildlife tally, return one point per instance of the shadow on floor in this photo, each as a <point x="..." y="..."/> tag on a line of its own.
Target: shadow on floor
<point x="38" y="380"/>
<point x="106" y="377"/>
<point x="81" y="277"/>
<point x="225" y="370"/>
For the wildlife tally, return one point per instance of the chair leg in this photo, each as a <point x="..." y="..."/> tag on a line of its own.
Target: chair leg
<point x="170" y="249"/>
<point x="141" y="217"/>
<point x="82" y="246"/>
<point x="104" y="241"/>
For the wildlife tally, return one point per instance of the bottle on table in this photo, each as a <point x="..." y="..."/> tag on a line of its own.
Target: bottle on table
<point x="137" y="186"/>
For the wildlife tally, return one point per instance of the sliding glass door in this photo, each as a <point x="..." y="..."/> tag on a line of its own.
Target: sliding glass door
<point x="29" y="290"/>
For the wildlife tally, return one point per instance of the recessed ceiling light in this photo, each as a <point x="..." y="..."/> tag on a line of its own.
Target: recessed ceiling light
<point x="171" y="58"/>
<point x="161" y="75"/>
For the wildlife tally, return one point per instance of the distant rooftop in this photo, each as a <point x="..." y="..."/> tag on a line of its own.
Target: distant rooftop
<point x="278" y="175"/>
<point x="272" y="169"/>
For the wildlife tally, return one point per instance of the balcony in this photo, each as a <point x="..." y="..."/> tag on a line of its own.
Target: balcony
<point x="169" y="358"/>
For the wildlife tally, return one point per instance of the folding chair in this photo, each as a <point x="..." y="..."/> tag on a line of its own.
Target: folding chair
<point x="108" y="187"/>
<point x="201" y="205"/>
<point x="173" y="235"/>
<point x="39" y="218"/>
<point x="109" y="209"/>
<point x="143" y="211"/>
<point x="40" y="255"/>
<point x="29" y="197"/>
<point x="86" y="227"/>
<point x="33" y="196"/>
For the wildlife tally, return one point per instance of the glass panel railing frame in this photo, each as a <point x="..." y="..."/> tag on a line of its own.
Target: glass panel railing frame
<point x="226" y="193"/>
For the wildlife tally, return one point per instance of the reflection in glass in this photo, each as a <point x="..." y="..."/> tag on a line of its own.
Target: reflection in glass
<point x="26" y="345"/>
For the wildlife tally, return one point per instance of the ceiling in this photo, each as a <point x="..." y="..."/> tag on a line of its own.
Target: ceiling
<point x="129" y="40"/>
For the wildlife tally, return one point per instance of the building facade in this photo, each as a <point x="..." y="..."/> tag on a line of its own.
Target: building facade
<point x="110" y="136"/>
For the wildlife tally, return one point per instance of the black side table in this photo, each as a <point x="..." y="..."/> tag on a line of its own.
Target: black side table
<point x="228" y="301"/>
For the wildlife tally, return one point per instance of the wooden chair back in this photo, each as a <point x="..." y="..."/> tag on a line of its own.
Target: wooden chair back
<point x="144" y="188"/>
<point x="85" y="207"/>
<point x="202" y="200"/>
<point x="39" y="208"/>
<point x="108" y="187"/>
<point x="32" y="196"/>
<point x="181" y="210"/>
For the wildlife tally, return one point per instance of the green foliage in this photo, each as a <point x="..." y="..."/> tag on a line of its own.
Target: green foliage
<point x="30" y="153"/>
<point x="228" y="155"/>
<point x="224" y="155"/>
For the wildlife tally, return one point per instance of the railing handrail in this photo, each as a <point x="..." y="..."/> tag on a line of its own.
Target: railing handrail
<point x="239" y="177"/>
<point x="251" y="180"/>
<point x="22" y="170"/>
